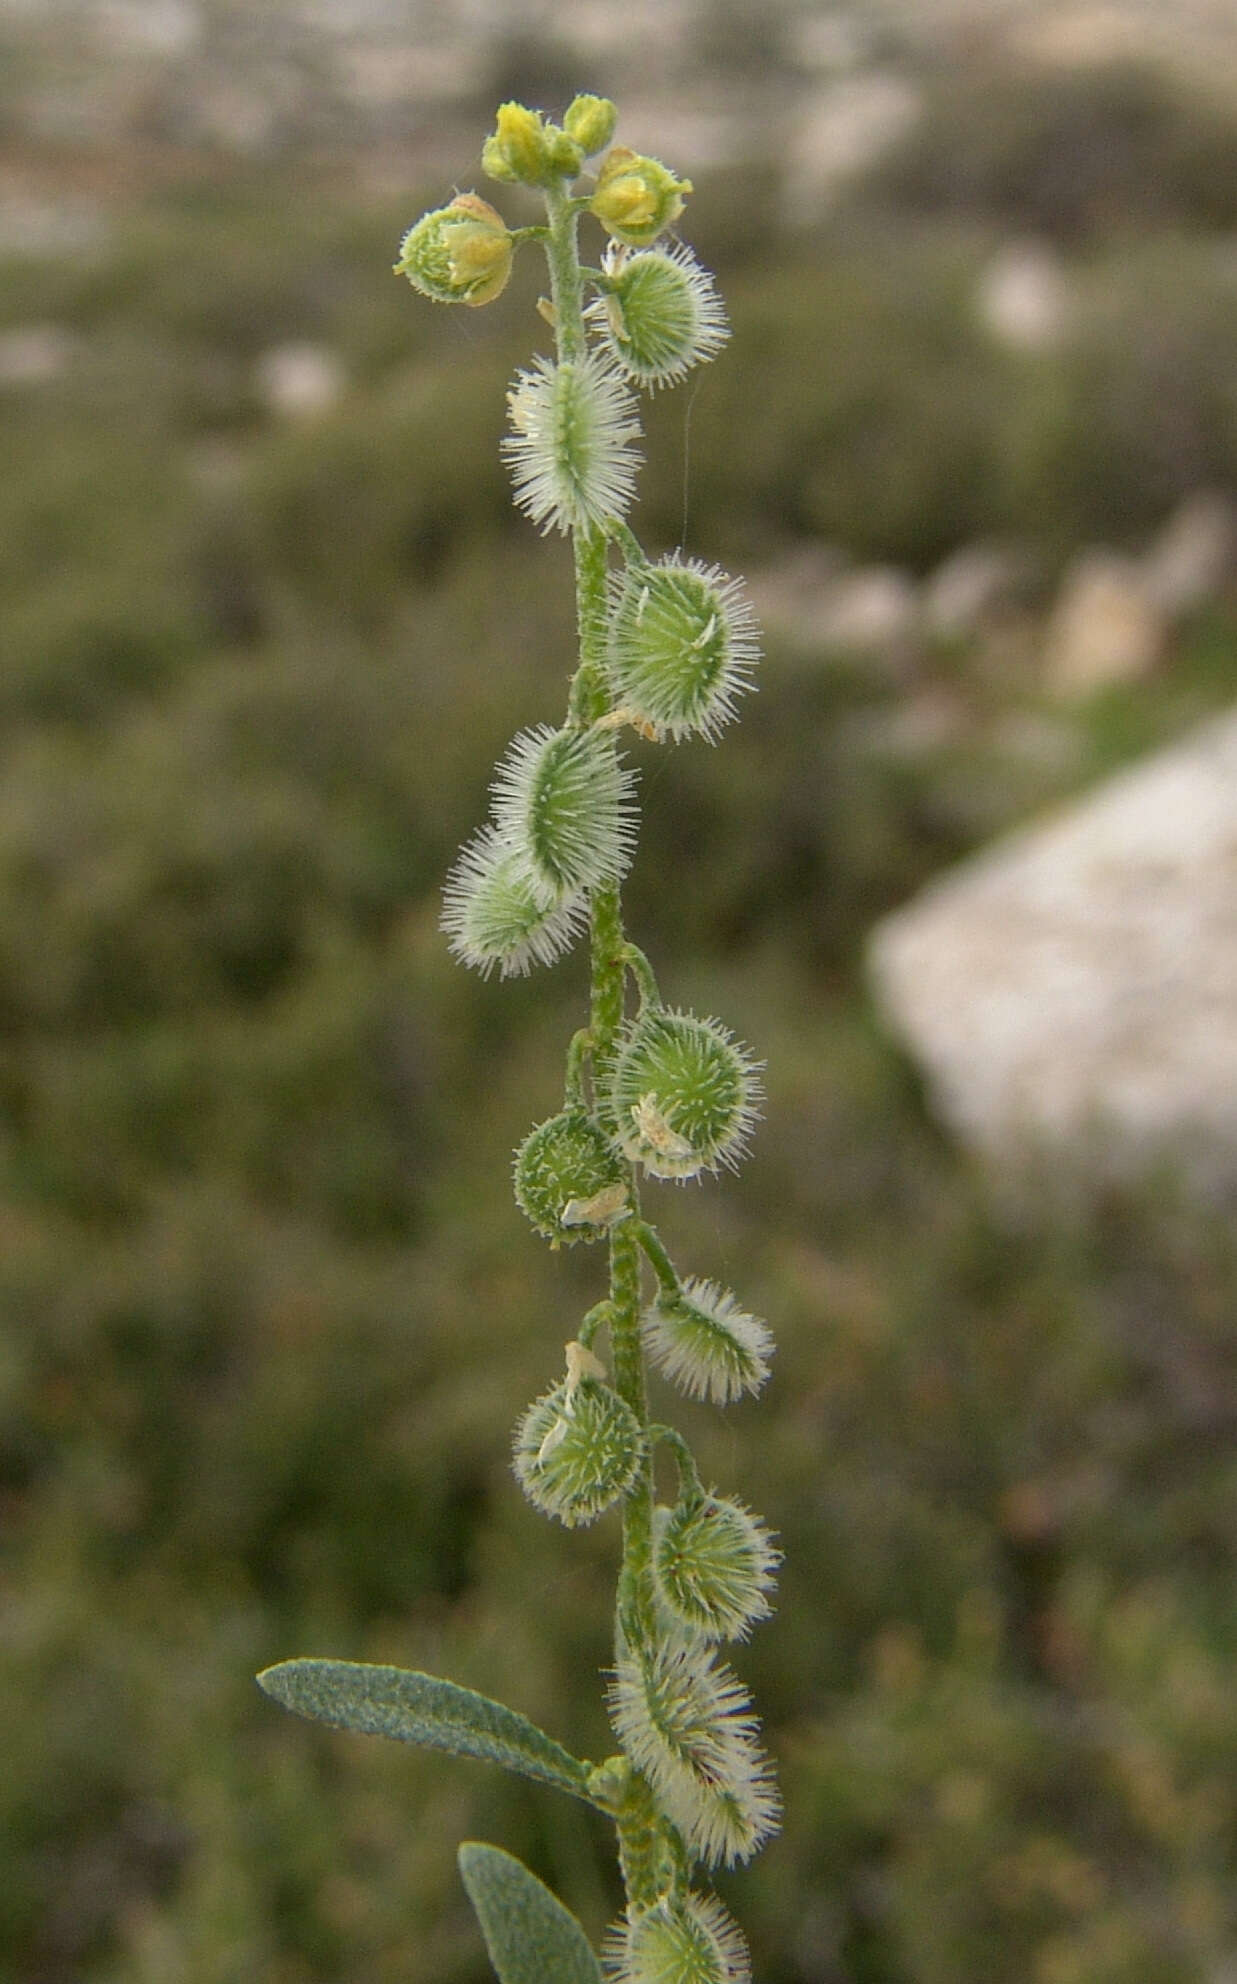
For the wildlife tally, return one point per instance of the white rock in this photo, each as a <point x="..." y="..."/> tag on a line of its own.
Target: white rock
<point x="1024" y="296"/>
<point x="1105" y="626"/>
<point x="1192" y="559"/>
<point x="844" y="130"/>
<point x="1072" y="992"/>
<point x="298" y="381"/>
<point x="869" y="611"/>
<point x="970" y="585"/>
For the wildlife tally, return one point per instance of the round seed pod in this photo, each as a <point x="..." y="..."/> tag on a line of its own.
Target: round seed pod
<point x="577" y="1450"/>
<point x="659" y="314"/>
<point x="705" y="1343"/>
<point x="564" y="800"/>
<point x="568" y="1180"/>
<point x="684" y="1095"/>
<point x="692" y="1941"/>
<point x="494" y="913"/>
<point x="682" y="646"/>
<point x="715" y="1566"/>
<point x="688" y="1724"/>
<point x="571" y="449"/>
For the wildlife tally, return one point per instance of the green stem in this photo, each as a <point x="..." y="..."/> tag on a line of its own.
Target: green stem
<point x="646" y="1840"/>
<point x="658" y="1259"/>
<point x="635" y="1623"/>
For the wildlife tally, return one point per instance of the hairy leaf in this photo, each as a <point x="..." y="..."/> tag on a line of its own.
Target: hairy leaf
<point x="531" y="1937"/>
<point x="419" y="1708"/>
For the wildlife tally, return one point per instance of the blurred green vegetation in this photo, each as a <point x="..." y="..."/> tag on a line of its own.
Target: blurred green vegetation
<point x="269" y="1312"/>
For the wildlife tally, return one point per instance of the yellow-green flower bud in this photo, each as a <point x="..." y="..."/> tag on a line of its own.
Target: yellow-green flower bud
<point x="458" y="254"/>
<point x="568" y="1179"/>
<point x="524" y="149"/>
<point x="636" y="197"/>
<point x="590" y="120"/>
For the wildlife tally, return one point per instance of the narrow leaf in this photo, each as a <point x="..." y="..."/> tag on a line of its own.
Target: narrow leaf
<point x="531" y="1937"/>
<point x="419" y="1708"/>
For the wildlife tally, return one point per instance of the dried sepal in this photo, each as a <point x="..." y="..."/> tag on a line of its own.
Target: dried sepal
<point x="688" y="1724"/>
<point x="705" y="1343"/>
<point x="571" y="449"/>
<point x="568" y="1179"/>
<point x="684" y="1094"/>
<point x="578" y="1450"/>
<point x="715" y="1566"/>
<point x="564" y="799"/>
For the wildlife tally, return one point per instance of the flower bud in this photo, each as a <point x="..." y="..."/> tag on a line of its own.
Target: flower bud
<point x="659" y="314"/>
<point x="577" y="1451"/>
<point x="568" y="1180"/>
<point x="458" y="254"/>
<point x="495" y="913"/>
<point x="636" y="197"/>
<point x="694" y="1940"/>
<point x="523" y="148"/>
<point x="563" y="798"/>
<point x="706" y="1344"/>
<point x="683" y="1094"/>
<point x="688" y="1725"/>
<point x="714" y="1565"/>
<point x="590" y="120"/>
<point x="570" y="450"/>
<point x="682" y="646"/>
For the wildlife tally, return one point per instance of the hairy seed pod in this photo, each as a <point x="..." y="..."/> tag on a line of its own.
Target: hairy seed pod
<point x="684" y="1094"/>
<point x="659" y="314"/>
<point x="636" y="197"/>
<point x="461" y="253"/>
<point x="568" y="1180"/>
<point x="577" y="1451"/>
<point x="682" y="646"/>
<point x="571" y="454"/>
<point x="695" y="1940"/>
<point x="688" y="1724"/>
<point x="705" y="1343"/>
<point x="495" y="913"/>
<point x="564" y="799"/>
<point x="714" y="1565"/>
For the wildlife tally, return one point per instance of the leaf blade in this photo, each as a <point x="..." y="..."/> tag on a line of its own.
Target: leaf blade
<point x="420" y="1708"/>
<point x="530" y="1936"/>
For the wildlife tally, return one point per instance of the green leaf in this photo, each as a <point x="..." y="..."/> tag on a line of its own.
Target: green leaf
<point x="419" y="1708"/>
<point x="531" y="1937"/>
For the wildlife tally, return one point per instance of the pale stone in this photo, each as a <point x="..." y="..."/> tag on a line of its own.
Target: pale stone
<point x="1105" y="627"/>
<point x="872" y="610"/>
<point x="971" y="584"/>
<point x="1072" y="992"/>
<point x="299" y="381"/>
<point x="850" y="125"/>
<point x="1024" y="296"/>
<point x="1192" y="559"/>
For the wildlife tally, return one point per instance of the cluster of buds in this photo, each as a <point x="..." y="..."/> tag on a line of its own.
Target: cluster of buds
<point x="662" y="1094"/>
